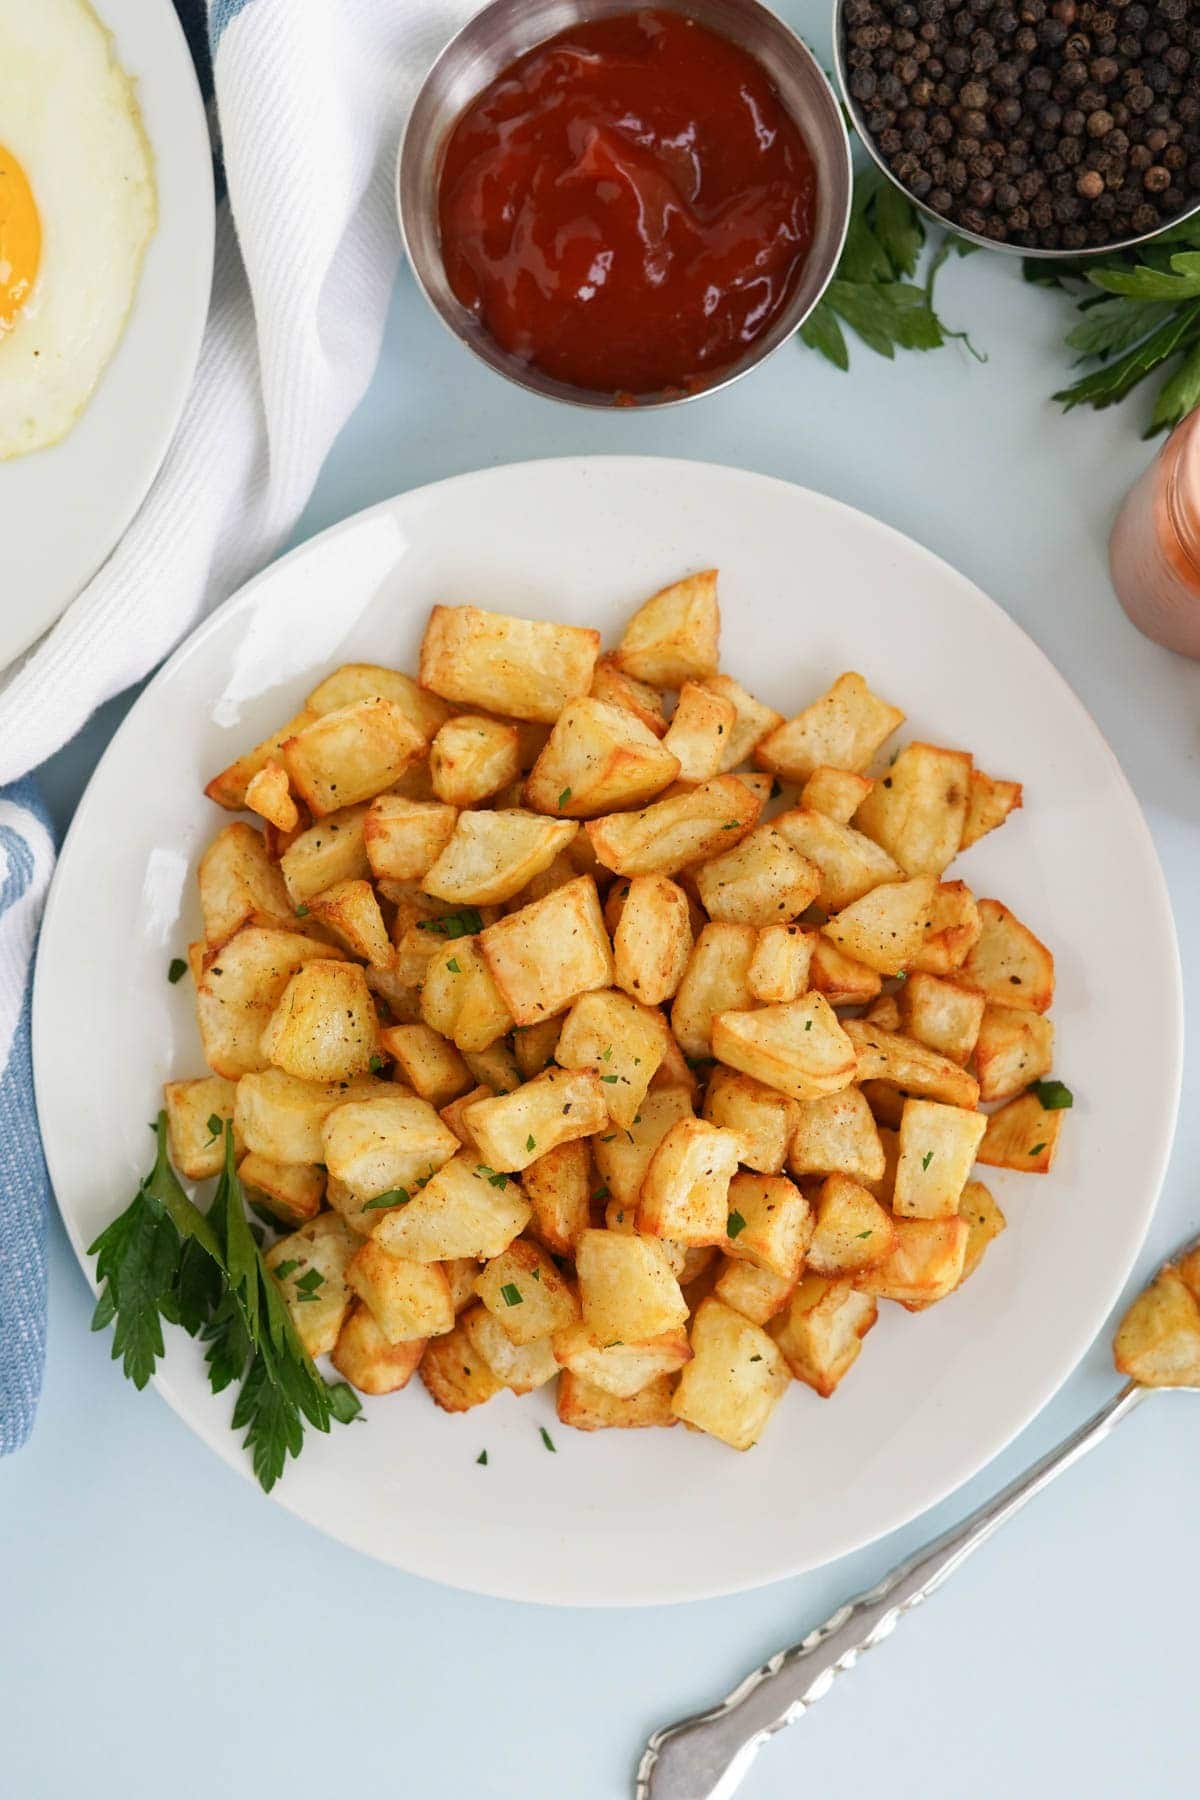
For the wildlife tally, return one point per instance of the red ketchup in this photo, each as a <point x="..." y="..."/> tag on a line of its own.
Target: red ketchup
<point x="628" y="207"/>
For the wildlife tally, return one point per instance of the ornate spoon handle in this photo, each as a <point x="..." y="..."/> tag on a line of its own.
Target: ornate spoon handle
<point x="707" y="1756"/>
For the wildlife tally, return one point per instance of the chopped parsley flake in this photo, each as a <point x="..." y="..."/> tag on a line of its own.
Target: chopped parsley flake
<point x="394" y="1197"/>
<point x="375" y="1064"/>
<point x="808" y="1024"/>
<point x="548" y="1440"/>
<point x="927" y="1159"/>
<point x="216" y="1126"/>
<point x="510" y="1293"/>
<point x="310" y="1282"/>
<point x="288" y="1267"/>
<point x="482" y="1458"/>
<point x="453" y="967"/>
<point x="735" y="1224"/>
<point x="302" y="912"/>
<point x="601" y="1193"/>
<point x="531" y="1142"/>
<point x="176" y="970"/>
<point x="1037" y="1149"/>
<point x="455" y="925"/>
<point x="1053" y="1096"/>
<point x="490" y="1176"/>
<point x="606" y="1055"/>
<point x="609" y="1078"/>
<point x="563" y="798"/>
<point x="865" y="1234"/>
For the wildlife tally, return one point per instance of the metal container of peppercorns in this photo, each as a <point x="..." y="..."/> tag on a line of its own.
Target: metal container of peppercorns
<point x="1051" y="128"/>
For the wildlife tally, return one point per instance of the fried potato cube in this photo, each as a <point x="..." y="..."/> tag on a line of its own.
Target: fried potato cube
<point x="473" y="757"/>
<point x="914" y="1068"/>
<point x="282" y="1118"/>
<point x="624" y="1218"/>
<point x="652" y="938"/>
<point x="626" y="1287"/>
<point x="925" y="1263"/>
<point x="835" y="792"/>
<point x="884" y="1011"/>
<point x="406" y="1299"/>
<point x="452" y="1115"/>
<point x="324" y="1025"/>
<point x="841" y="730"/>
<point x="512" y="1130"/>
<point x="761" y="881"/>
<point x="290" y="1192"/>
<point x="622" y="1157"/>
<point x="889" y="1137"/>
<point x="988" y="805"/>
<point x="755" y="1293"/>
<point x="673" y="636"/>
<point x="525" y="668"/>
<point x="886" y="928"/>
<point x="460" y="999"/>
<point x="360" y="1214"/>
<point x="309" y="1266"/>
<point x="843" y="981"/>
<point x="779" y="968"/>
<point x="558" y="1186"/>
<point x="619" y="1368"/>
<point x="599" y="758"/>
<point x="524" y="1291"/>
<point x="616" y="688"/>
<point x="364" y="1358"/>
<point x="404" y="838"/>
<point x="685" y="1188"/>
<point x="851" y="1231"/>
<point x="519" y="1367"/>
<point x="350" y="910"/>
<point x="820" y="1335"/>
<point x="196" y="1115"/>
<point x="761" y="1117"/>
<point x="228" y="788"/>
<point x="769" y="1224"/>
<point x="938" y="1145"/>
<point x="368" y="681"/>
<point x="240" y="885"/>
<point x="943" y="1015"/>
<point x="269" y="795"/>
<point x="918" y="809"/>
<point x="586" y="1407"/>
<point x="1014" y="1048"/>
<point x="619" y="1041"/>
<point x="455" y="1375"/>
<point x="677" y="832"/>
<point x="701" y="728"/>
<point x="241" y="986"/>
<point x="492" y="855"/>
<point x="460" y="1273"/>
<point x="736" y="1377"/>
<point x="496" y="1067"/>
<point x="954" y="930"/>
<point x="1188" y="1266"/>
<point x="547" y="954"/>
<point x="751" y="720"/>
<point x="716" y="980"/>
<point x="463" y="1209"/>
<point x="386" y="1143"/>
<point x="534" y="1046"/>
<point x="849" y="864"/>
<point x="984" y="1220"/>
<point x="800" y="1048"/>
<point x="836" y="1135"/>
<point x="351" y="754"/>
<point x="1021" y="1135"/>
<point x="1158" y="1340"/>
<point x="1009" y="964"/>
<point x="332" y="850"/>
<point x="431" y="1067"/>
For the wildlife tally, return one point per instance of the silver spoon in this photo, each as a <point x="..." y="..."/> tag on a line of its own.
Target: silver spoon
<point x="708" y="1756"/>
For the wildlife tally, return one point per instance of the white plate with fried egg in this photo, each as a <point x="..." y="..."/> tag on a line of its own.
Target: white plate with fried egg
<point x="106" y="245"/>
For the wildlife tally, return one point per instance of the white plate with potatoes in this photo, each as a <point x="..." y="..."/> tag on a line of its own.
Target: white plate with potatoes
<point x="652" y="1038"/>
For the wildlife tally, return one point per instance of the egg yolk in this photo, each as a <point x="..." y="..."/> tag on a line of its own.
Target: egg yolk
<point x="20" y="239"/>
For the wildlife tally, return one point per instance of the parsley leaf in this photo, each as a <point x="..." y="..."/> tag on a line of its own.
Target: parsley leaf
<point x="563" y="798"/>
<point x="482" y="1458"/>
<point x="735" y="1224"/>
<point x="511" y="1294"/>
<point x="464" y="923"/>
<point x="176" y="970"/>
<point x="1053" y="1096"/>
<point x="491" y="1177"/>
<point x="531" y="1142"/>
<point x="1037" y="1149"/>
<point x="397" y="1196"/>
<point x="927" y="1159"/>
<point x="548" y="1440"/>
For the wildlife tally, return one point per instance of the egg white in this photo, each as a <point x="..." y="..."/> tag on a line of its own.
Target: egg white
<point x="69" y="114"/>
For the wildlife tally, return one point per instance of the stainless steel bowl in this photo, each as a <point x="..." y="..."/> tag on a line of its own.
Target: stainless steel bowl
<point x="507" y="29"/>
<point x="855" y="110"/>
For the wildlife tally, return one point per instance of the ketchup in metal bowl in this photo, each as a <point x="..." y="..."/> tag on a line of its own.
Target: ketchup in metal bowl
<point x="628" y="206"/>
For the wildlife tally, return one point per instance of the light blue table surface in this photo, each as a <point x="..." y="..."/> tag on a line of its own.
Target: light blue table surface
<point x="167" y="1634"/>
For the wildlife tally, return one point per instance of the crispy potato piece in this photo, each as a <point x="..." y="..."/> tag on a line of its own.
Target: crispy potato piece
<point x="988" y="805"/>
<point x="652" y="937"/>
<point x="360" y="1214"/>
<point x="685" y="1188"/>
<point x="310" y="1267"/>
<point x="557" y="873"/>
<point x="240" y="885"/>
<point x="432" y="1067"/>
<point x="363" y="1356"/>
<point x="455" y="1375"/>
<point x="404" y="838"/>
<point x="820" y="1335"/>
<point x="926" y="1262"/>
<point x="769" y="1224"/>
<point x="884" y="1011"/>
<point x="282" y="1118"/>
<point x="835" y="792"/>
<point x="954" y="930"/>
<point x="385" y="1144"/>
<point x="751" y="720"/>
<point x="885" y="1100"/>
<point x="849" y="865"/>
<point x="888" y="1056"/>
<point x="760" y="1116"/>
<point x="624" y="1218"/>
<point x="496" y="1067"/>
<point x="620" y="1041"/>
<point x="1014" y="1047"/>
<point x="736" y="1377"/>
<point x="918" y="809"/>
<point x="452" y="1115"/>
<point x="887" y="928"/>
<point x="622" y="1157"/>
<point x="350" y="910"/>
<point x="368" y="681"/>
<point x="755" y="1293"/>
<point x="779" y="968"/>
<point x="269" y="795"/>
<point x="196" y="1115"/>
<point x="984" y="1220"/>
<point x="464" y="1209"/>
<point x="240" y="989"/>
<point x="619" y="1368"/>
<point x="330" y="851"/>
<point x="519" y="1367"/>
<point x="716" y="980"/>
<point x="534" y="1046"/>
<point x="841" y="730"/>
<point x="460" y="1273"/>
<point x="800" y="1048"/>
<point x="550" y="952"/>
<point x="492" y="855"/>
<point x="1188" y="1266"/>
<point x="324" y="1026"/>
<point x="526" y="668"/>
<point x="473" y="757"/>
<point x="351" y="754"/>
<point x="937" y="1150"/>
<point x="889" y="1137"/>
<point x="406" y="1299"/>
<point x="626" y="1287"/>
<point x="460" y="999"/>
<point x="524" y="1291"/>
<point x="1021" y="1135"/>
<point x="941" y="1014"/>
<point x="675" y="833"/>
<point x="290" y="1192"/>
<point x="558" y="1186"/>
<point x="587" y="1407"/>
<point x="599" y="758"/>
<point x="701" y="729"/>
<point x="1009" y="964"/>
<point x="851" y="1232"/>
<point x="512" y="1130"/>
<point x="836" y="1135"/>
<point x="843" y="981"/>
<point x="615" y="688"/>
<point x="1158" y="1340"/>
<point x="761" y="881"/>
<point x="673" y="636"/>
<point x="228" y="788"/>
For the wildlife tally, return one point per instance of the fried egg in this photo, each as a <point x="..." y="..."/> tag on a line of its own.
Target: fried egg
<point x="77" y="209"/>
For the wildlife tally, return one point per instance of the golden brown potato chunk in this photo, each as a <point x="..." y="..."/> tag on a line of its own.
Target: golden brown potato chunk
<point x="685" y="1188"/>
<point x="519" y="1367"/>
<point x="988" y="805"/>
<point x="673" y="636"/>
<point x="918" y="809"/>
<point x="836" y="1135"/>
<point x="1014" y="1047"/>
<point x="626" y="1287"/>
<point x="716" y="980"/>
<point x="547" y="954"/>
<point x="779" y="968"/>
<point x="887" y="928"/>
<point x="525" y="1293"/>
<point x="849" y="864"/>
<point x="406" y="1299"/>
<point x="351" y="754"/>
<point x="762" y="1117"/>
<point x="493" y="855"/>
<point x="599" y="758"/>
<point x="616" y="688"/>
<point x="283" y="1118"/>
<point x="525" y="668"/>
<point x="675" y="833"/>
<point x="269" y="795"/>
<point x="925" y="1264"/>
<point x="652" y="938"/>
<point x="459" y="998"/>
<point x="1158" y="1340"/>
<point x="843" y="981"/>
<point x="701" y="727"/>
<point x="404" y="838"/>
<point x="835" y="792"/>
<point x="332" y="850"/>
<point x="821" y="1333"/>
<point x="755" y="1293"/>
<point x="512" y="1130"/>
<point x="463" y="1209"/>
<point x="291" y="1192"/>
<point x="228" y="788"/>
<point x="432" y="1067"/>
<point x="196" y="1115"/>
<point x="622" y="1157"/>
<point x="942" y="1014"/>
<point x="800" y="1048"/>
<point x="735" y="1380"/>
<point x="351" y="911"/>
<point x="383" y="1144"/>
<point x="1009" y="964"/>
<point x="769" y="1224"/>
<point x="473" y="757"/>
<point x="558" y="1186"/>
<point x="455" y="1374"/>
<point x="363" y="1356"/>
<point x="1022" y="1135"/>
<point x="324" y="1026"/>
<point x="984" y="1220"/>
<point x="751" y="720"/>
<point x="761" y="881"/>
<point x="938" y="1146"/>
<point x="241" y="986"/>
<point x="841" y="730"/>
<point x="368" y="681"/>
<point x="240" y="885"/>
<point x="588" y="1408"/>
<point x="851" y="1232"/>
<point x="889" y="1056"/>
<point x="620" y="1041"/>
<point x="310" y="1268"/>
